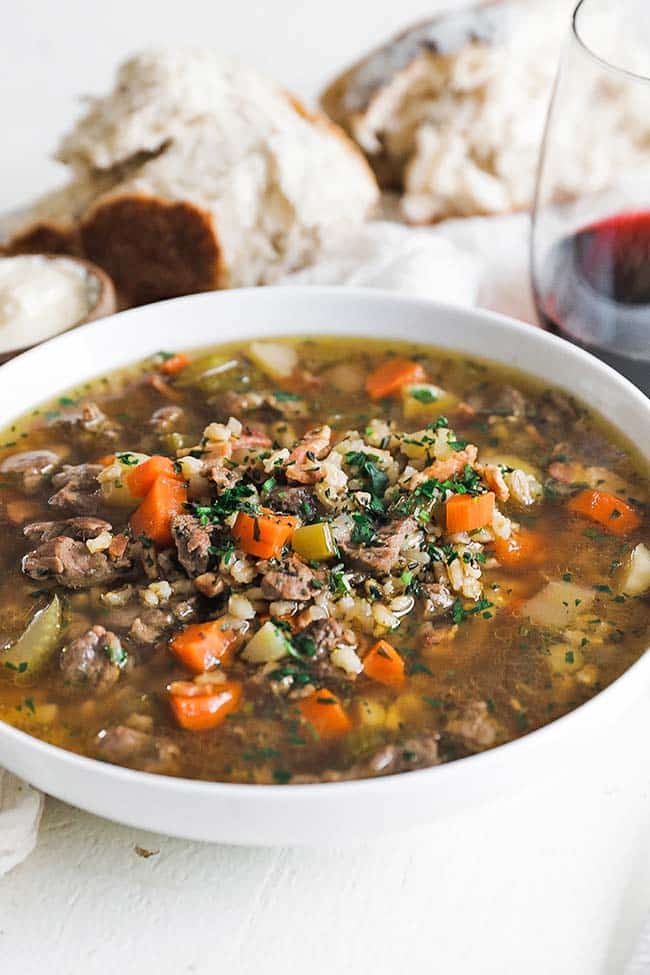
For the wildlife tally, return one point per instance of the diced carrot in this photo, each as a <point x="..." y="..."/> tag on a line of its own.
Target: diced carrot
<point x="106" y="460"/>
<point x="384" y="664"/>
<point x="139" y="479"/>
<point x="152" y="518"/>
<point x="204" y="646"/>
<point x="263" y="535"/>
<point x="388" y="379"/>
<point x="200" y="707"/>
<point x="325" y="714"/>
<point x="614" y="514"/>
<point x="175" y="364"/>
<point x="467" y="512"/>
<point x="21" y="510"/>
<point x="522" y="548"/>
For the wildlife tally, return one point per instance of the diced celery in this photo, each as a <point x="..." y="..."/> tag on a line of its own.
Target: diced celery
<point x="33" y="649"/>
<point x="207" y="372"/>
<point x="314" y="542"/>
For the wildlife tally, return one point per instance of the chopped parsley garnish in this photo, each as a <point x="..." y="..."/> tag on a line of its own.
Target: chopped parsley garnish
<point x="128" y="459"/>
<point x="338" y="581"/>
<point x="283" y="397"/>
<point x="376" y="478"/>
<point x="231" y="500"/>
<point x="419" y="668"/>
<point x="433" y="702"/>
<point x="18" y="668"/>
<point x="363" y="532"/>
<point x="423" y="395"/>
<point x="469" y="482"/>
<point x="457" y="444"/>
<point x="303" y="646"/>
<point x="116" y="653"/>
<point x="460" y="614"/>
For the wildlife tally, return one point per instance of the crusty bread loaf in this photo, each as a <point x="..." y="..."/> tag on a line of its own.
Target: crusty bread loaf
<point x="451" y="111"/>
<point x="194" y="174"/>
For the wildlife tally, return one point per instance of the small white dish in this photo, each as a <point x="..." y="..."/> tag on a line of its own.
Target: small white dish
<point x="97" y="299"/>
<point x="334" y="812"/>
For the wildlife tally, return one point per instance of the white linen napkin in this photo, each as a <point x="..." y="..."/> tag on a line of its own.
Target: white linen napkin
<point x="482" y="260"/>
<point x="639" y="964"/>
<point x="20" y="814"/>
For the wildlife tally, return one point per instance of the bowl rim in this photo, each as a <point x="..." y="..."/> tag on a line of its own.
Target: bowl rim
<point x="603" y="701"/>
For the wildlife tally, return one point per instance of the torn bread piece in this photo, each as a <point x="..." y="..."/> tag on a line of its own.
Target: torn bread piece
<point x="194" y="174"/>
<point x="451" y="112"/>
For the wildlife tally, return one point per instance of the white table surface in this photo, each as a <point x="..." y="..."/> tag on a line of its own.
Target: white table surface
<point x="555" y="880"/>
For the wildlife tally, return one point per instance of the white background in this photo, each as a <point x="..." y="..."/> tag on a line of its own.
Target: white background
<point x="555" y="880"/>
<point x="53" y="51"/>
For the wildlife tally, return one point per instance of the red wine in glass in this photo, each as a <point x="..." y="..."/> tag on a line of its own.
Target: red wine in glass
<point x="594" y="289"/>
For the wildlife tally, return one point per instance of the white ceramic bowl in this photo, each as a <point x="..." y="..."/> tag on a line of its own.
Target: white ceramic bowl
<point x="335" y="812"/>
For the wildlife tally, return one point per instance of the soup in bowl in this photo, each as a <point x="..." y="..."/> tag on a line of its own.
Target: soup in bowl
<point x="306" y="557"/>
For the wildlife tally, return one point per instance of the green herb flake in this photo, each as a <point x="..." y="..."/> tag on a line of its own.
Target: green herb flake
<point x="423" y="395"/>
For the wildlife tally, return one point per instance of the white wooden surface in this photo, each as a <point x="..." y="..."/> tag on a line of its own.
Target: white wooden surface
<point x="555" y="880"/>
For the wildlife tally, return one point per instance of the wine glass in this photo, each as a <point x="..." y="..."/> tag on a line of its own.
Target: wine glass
<point x="591" y="226"/>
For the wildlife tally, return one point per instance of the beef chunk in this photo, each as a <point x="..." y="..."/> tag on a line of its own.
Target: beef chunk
<point x="150" y="625"/>
<point x="78" y="489"/>
<point x="293" y="501"/>
<point x="70" y="563"/>
<point x="431" y="636"/>
<point x="302" y="465"/>
<point x="192" y="542"/>
<point x="326" y="634"/>
<point x="79" y="528"/>
<point x="506" y="401"/>
<point x="558" y="409"/>
<point x="94" y="660"/>
<point x="137" y="749"/>
<point x="412" y="753"/>
<point x="288" y="407"/>
<point x="473" y="724"/>
<point x="210" y="584"/>
<point x="85" y="421"/>
<point x="166" y="419"/>
<point x="382" y="556"/>
<point x="290" y="579"/>
<point x="417" y="752"/>
<point x="32" y="468"/>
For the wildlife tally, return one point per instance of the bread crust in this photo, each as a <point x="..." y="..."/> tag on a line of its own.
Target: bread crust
<point x="43" y="238"/>
<point x="145" y="243"/>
